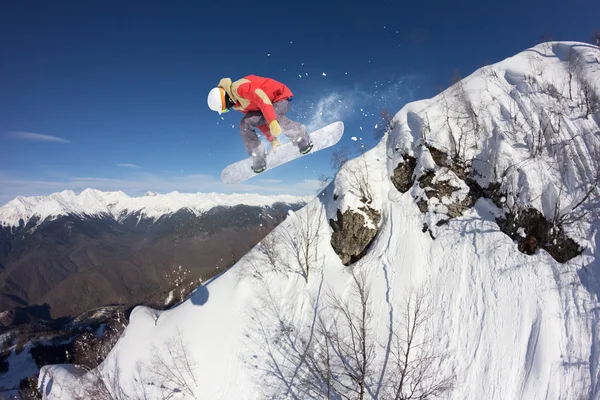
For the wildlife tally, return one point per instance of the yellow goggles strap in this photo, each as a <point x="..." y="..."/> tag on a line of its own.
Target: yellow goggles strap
<point x="223" y="104"/>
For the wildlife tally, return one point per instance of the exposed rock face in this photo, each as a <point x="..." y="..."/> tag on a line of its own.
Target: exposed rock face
<point x="444" y="195"/>
<point x="528" y="227"/>
<point x="442" y="190"/>
<point x="403" y="178"/>
<point x="351" y="234"/>
<point x="533" y="232"/>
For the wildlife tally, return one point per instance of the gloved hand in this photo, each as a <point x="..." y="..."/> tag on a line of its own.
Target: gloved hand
<point x="275" y="128"/>
<point x="275" y="143"/>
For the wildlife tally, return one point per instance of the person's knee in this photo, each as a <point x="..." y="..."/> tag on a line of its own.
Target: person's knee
<point x="281" y="108"/>
<point x="246" y="125"/>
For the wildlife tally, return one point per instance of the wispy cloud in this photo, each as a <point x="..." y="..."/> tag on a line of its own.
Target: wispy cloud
<point x="38" y="137"/>
<point x="129" y="166"/>
<point x="270" y="180"/>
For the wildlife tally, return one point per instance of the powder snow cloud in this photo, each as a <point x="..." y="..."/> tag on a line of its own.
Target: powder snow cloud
<point x="357" y="101"/>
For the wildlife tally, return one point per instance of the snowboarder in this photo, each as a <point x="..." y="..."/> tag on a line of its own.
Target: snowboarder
<point x="265" y="103"/>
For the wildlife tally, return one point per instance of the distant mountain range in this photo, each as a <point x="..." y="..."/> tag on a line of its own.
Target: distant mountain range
<point x="66" y="253"/>
<point x="119" y="206"/>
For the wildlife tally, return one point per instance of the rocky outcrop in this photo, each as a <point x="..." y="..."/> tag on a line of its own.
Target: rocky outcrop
<point x="403" y="176"/>
<point x="352" y="233"/>
<point x="450" y="189"/>
<point x="532" y="232"/>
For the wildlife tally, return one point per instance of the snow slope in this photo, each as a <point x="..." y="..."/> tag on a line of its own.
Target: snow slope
<point x="510" y="326"/>
<point x="118" y="205"/>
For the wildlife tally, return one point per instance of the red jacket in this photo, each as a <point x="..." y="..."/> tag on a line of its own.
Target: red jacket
<point x="255" y="93"/>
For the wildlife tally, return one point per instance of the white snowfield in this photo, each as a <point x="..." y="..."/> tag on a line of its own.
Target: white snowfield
<point x="118" y="205"/>
<point x="509" y="325"/>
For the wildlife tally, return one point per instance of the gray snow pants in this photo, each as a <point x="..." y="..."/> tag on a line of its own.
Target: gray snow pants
<point x="295" y="131"/>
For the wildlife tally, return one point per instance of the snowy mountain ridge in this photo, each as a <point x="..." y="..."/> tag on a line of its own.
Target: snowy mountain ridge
<point x="501" y="317"/>
<point x="118" y="205"/>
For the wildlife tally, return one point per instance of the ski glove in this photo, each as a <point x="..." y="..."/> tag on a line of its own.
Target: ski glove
<point x="275" y="143"/>
<point x="275" y="128"/>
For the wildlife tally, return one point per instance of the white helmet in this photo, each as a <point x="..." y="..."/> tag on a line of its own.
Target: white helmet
<point x="216" y="100"/>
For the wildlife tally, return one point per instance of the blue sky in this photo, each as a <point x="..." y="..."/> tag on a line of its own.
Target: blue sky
<point x="112" y="94"/>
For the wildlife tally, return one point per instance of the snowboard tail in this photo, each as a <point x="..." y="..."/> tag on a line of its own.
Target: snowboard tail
<point x="323" y="138"/>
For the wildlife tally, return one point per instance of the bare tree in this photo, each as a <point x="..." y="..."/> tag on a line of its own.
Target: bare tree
<point x="266" y="257"/>
<point x="171" y="371"/>
<point x="467" y="119"/>
<point x="301" y="239"/>
<point x="140" y="387"/>
<point x="329" y="358"/>
<point x="596" y="37"/>
<point x="172" y="368"/>
<point x="355" y="173"/>
<point x="352" y="340"/>
<point x="576" y="211"/>
<point x="356" y="176"/>
<point x="414" y="374"/>
<point x="338" y="158"/>
<point x="447" y="117"/>
<point x="101" y="384"/>
<point x="549" y="126"/>
<point x="334" y="355"/>
<point x="461" y="119"/>
<point x="574" y="67"/>
<point x="320" y="361"/>
<point x="590" y="99"/>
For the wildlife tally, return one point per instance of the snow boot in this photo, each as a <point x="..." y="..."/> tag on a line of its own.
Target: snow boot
<point x="259" y="161"/>
<point x="305" y="145"/>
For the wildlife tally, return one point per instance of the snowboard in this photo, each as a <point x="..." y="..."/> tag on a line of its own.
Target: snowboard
<point x="323" y="138"/>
